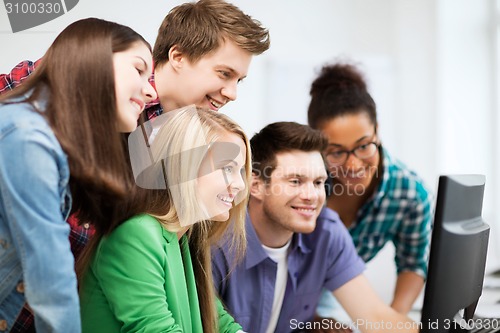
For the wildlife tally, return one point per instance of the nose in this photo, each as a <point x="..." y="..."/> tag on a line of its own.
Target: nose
<point x="229" y="90"/>
<point x="353" y="163"/>
<point x="150" y="92"/>
<point x="310" y="192"/>
<point x="237" y="183"/>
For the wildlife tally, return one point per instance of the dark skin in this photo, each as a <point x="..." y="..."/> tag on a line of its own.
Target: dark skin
<point x="347" y="133"/>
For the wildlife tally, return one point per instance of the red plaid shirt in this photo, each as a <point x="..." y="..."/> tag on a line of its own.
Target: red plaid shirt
<point x="79" y="234"/>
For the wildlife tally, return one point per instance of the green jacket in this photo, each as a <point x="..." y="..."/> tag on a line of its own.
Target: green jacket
<point x="141" y="280"/>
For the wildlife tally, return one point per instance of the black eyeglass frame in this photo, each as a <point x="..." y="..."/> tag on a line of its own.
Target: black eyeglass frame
<point x="348" y="153"/>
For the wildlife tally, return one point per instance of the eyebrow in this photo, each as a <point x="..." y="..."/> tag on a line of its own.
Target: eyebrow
<point x="226" y="162"/>
<point x="357" y="141"/>
<point x="232" y="70"/>
<point x="142" y="59"/>
<point x="298" y="175"/>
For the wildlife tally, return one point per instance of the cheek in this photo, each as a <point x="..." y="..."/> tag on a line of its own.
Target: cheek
<point x="335" y="172"/>
<point x="372" y="165"/>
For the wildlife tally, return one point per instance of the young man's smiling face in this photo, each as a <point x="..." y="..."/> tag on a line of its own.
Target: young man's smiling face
<point x="210" y="82"/>
<point x="294" y="196"/>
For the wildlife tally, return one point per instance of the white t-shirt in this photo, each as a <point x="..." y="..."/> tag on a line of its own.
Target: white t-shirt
<point x="279" y="256"/>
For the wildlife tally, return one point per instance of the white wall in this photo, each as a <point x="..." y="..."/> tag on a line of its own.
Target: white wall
<point x="430" y="66"/>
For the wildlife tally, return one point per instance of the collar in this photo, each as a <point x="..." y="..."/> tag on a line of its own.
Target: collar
<point x="383" y="186"/>
<point x="256" y="253"/>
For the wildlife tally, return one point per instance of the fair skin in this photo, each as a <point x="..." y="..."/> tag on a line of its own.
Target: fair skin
<point x="210" y="82"/>
<point x="354" y="184"/>
<point x="132" y="88"/>
<point x="218" y="189"/>
<point x="290" y="202"/>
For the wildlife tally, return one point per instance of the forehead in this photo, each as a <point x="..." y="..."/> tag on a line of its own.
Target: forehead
<point x="347" y="129"/>
<point x="137" y="49"/>
<point x="229" y="147"/>
<point x="228" y="55"/>
<point x="307" y="164"/>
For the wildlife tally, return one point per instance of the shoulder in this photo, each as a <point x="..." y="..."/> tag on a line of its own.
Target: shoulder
<point x="138" y="239"/>
<point x="17" y="75"/>
<point x="23" y="119"/>
<point x="329" y="221"/>
<point x="22" y="114"/>
<point x="329" y="231"/>
<point x="140" y="229"/>
<point x="404" y="183"/>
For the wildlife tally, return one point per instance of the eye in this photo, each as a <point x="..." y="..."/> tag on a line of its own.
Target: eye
<point x="139" y="70"/>
<point x="225" y="74"/>
<point x="228" y="169"/>
<point x="319" y="183"/>
<point x="364" y="147"/>
<point x="295" y="181"/>
<point x="240" y="81"/>
<point x="336" y="154"/>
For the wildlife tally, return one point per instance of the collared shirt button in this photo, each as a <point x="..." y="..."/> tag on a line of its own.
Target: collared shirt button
<point x="86" y="226"/>
<point x="3" y="325"/>
<point x="20" y="287"/>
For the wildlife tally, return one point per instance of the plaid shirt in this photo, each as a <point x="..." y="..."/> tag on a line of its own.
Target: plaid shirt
<point x="79" y="234"/>
<point x="400" y="211"/>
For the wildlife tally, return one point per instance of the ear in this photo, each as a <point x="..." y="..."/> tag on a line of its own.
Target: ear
<point x="257" y="187"/>
<point x="176" y="57"/>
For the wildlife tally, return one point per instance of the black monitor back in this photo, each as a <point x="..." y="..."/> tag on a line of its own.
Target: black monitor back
<point x="458" y="254"/>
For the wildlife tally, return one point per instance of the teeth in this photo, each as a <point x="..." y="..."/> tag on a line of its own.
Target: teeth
<point x="225" y="199"/>
<point x="214" y="103"/>
<point x="306" y="209"/>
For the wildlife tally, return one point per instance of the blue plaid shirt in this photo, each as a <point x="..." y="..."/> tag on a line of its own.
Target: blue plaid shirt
<point x="400" y="211"/>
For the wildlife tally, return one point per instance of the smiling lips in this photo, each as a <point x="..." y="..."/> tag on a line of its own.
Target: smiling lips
<point x="215" y="104"/>
<point x="227" y="200"/>
<point x="307" y="211"/>
<point x="138" y="104"/>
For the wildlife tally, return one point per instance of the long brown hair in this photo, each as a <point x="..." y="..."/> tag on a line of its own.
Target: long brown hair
<point x="76" y="77"/>
<point x="188" y="128"/>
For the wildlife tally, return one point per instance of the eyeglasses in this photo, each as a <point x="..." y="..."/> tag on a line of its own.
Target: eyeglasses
<point x="363" y="152"/>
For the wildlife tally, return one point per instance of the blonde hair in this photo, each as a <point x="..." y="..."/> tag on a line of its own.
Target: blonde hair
<point x="180" y="140"/>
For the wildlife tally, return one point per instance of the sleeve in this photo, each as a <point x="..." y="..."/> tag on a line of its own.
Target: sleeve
<point x="344" y="263"/>
<point x="413" y="239"/>
<point x="30" y="176"/>
<point x="130" y="268"/>
<point x="226" y="321"/>
<point x="17" y="75"/>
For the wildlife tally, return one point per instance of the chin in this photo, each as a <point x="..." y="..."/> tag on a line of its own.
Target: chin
<point x="223" y="217"/>
<point x="305" y="229"/>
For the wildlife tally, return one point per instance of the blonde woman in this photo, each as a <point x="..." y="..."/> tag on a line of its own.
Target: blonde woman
<point x="152" y="273"/>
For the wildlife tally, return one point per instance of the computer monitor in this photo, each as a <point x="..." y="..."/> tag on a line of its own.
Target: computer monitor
<point x="457" y="255"/>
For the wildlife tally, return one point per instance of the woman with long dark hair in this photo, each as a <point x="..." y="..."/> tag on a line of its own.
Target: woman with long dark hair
<point x="60" y="151"/>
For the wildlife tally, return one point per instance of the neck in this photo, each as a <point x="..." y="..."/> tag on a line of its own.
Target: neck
<point x="347" y="204"/>
<point x="181" y="232"/>
<point x="164" y="88"/>
<point x="269" y="232"/>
